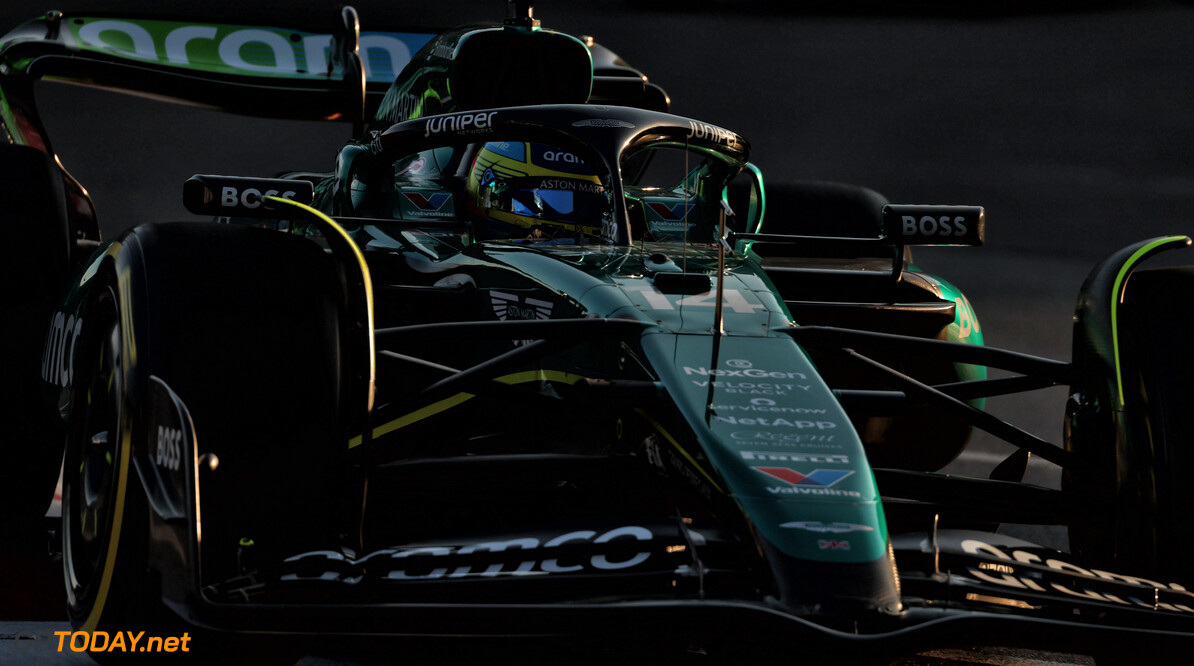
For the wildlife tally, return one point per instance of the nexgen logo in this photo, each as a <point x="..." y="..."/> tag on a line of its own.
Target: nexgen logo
<point x="754" y="373"/>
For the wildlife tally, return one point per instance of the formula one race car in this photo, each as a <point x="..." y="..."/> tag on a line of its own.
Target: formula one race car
<point x="537" y="366"/>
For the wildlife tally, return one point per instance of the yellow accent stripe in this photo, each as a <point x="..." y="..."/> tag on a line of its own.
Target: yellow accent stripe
<point x="344" y="236"/>
<point x="663" y="431"/>
<point x="1117" y="294"/>
<point x="448" y="403"/>
<point x="101" y="597"/>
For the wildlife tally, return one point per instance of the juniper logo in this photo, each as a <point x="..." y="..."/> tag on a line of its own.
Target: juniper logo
<point x="464" y="123"/>
<point x="710" y="133"/>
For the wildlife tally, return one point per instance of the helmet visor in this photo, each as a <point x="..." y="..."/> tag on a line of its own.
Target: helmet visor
<point x="548" y="198"/>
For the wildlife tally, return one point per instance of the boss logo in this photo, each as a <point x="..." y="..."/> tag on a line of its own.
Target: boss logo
<point x="930" y="226"/>
<point x="250" y="197"/>
<point x="934" y="225"/>
<point x="169" y="448"/>
<point x="235" y="195"/>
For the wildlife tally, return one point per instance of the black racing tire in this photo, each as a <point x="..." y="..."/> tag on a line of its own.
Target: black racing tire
<point x="1155" y="526"/>
<point x="244" y="325"/>
<point x="33" y="204"/>
<point x="103" y="509"/>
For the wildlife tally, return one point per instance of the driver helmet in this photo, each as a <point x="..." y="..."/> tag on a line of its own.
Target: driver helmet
<point x="535" y="192"/>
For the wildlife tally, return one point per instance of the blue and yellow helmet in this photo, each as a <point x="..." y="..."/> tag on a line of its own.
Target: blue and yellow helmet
<point x="535" y="191"/>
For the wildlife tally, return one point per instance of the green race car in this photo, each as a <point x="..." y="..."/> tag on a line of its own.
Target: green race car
<point x="541" y="364"/>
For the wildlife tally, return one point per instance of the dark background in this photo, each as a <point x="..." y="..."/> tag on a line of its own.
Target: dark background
<point x="1072" y="124"/>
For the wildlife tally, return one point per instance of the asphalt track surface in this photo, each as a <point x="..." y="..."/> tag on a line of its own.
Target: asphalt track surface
<point x="1072" y="126"/>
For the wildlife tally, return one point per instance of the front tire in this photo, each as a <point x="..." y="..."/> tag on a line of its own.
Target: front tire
<point x="1156" y="525"/>
<point x="243" y="326"/>
<point x="1139" y="490"/>
<point x="103" y="512"/>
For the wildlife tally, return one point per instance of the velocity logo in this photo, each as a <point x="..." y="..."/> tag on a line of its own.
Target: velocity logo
<point x="823" y="478"/>
<point x="665" y="212"/>
<point x="428" y="204"/>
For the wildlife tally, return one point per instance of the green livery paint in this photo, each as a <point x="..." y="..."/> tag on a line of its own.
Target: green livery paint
<point x="965" y="329"/>
<point x="240" y="50"/>
<point x="779" y="443"/>
<point x="783" y="446"/>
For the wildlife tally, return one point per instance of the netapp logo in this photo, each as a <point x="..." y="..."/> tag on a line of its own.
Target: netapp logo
<point x="776" y="423"/>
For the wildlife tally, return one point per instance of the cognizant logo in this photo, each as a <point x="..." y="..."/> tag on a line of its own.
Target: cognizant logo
<point x="257" y="51"/>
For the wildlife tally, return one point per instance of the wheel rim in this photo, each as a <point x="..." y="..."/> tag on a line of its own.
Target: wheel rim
<point x="90" y="477"/>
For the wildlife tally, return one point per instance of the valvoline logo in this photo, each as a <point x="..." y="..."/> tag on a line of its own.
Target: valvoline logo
<point x="823" y="478"/>
<point x="665" y="212"/>
<point x="432" y="203"/>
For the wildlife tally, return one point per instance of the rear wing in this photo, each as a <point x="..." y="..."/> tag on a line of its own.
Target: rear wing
<point x="265" y="71"/>
<point x="336" y="72"/>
